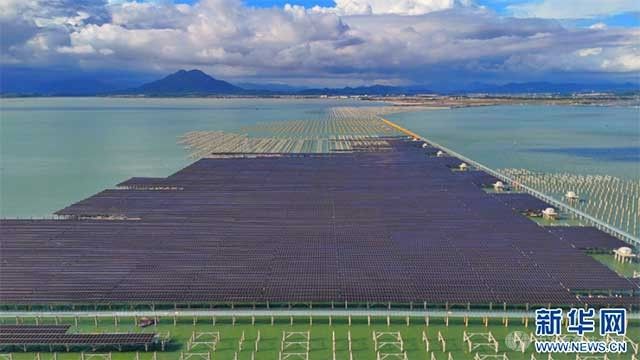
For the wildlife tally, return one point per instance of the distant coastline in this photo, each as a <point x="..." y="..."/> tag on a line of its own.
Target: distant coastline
<point x="428" y="101"/>
<point x="197" y="84"/>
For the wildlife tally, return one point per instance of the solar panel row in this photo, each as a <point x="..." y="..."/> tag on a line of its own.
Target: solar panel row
<point x="56" y="335"/>
<point x="7" y="329"/>
<point x="76" y="339"/>
<point x="584" y="237"/>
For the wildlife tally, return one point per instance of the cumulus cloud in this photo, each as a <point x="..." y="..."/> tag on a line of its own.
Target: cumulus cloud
<point x="589" y="52"/>
<point x="627" y="62"/>
<point x="404" y="40"/>
<point x="574" y="9"/>
<point x="400" y="7"/>
<point x="140" y="15"/>
<point x="598" y="26"/>
<point x="31" y="29"/>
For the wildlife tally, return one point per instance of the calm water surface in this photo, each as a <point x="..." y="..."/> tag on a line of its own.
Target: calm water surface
<point x="57" y="151"/>
<point x="574" y="139"/>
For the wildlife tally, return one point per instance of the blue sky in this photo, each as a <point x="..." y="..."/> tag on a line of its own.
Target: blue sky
<point x="322" y="42"/>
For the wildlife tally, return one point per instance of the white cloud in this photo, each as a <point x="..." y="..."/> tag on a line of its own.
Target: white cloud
<point x="589" y="52"/>
<point x="629" y="62"/>
<point x="149" y="15"/>
<point x="573" y="9"/>
<point x="400" y="7"/>
<point x="77" y="50"/>
<point x="11" y="9"/>
<point x="231" y="40"/>
<point x="598" y="26"/>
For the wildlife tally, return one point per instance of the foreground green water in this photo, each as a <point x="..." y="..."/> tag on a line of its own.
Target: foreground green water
<point x="321" y="345"/>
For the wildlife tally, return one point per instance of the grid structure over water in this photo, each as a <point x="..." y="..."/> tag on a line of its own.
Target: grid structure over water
<point x="344" y="130"/>
<point x="387" y="224"/>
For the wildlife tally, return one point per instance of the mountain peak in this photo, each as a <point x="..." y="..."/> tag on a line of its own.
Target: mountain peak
<point x="187" y="82"/>
<point x="190" y="72"/>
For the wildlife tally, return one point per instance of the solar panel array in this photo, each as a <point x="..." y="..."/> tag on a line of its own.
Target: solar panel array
<point x="33" y="329"/>
<point x="76" y="339"/>
<point x="376" y="226"/>
<point x="609" y="301"/>
<point x="17" y="335"/>
<point x="587" y="238"/>
<point x="522" y="202"/>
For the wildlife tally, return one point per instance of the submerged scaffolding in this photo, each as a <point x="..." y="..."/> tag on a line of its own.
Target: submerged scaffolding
<point x="613" y="200"/>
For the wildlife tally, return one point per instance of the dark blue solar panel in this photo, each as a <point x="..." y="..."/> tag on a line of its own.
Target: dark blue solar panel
<point x="376" y="226"/>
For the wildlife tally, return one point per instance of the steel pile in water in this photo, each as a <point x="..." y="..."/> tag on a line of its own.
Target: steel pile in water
<point x="363" y="122"/>
<point x="343" y="130"/>
<point x="213" y="143"/>
<point x="342" y="113"/>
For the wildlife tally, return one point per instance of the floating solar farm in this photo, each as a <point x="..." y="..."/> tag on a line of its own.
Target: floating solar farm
<point x="340" y="238"/>
<point x="385" y="222"/>
<point x="57" y="336"/>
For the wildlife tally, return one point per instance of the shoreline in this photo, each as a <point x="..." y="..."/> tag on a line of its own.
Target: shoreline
<point x="439" y="102"/>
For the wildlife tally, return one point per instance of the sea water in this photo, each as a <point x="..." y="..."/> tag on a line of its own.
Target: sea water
<point x="583" y="140"/>
<point x="591" y="150"/>
<point x="56" y="151"/>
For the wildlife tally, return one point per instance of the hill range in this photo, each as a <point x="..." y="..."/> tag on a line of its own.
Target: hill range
<point x="197" y="83"/>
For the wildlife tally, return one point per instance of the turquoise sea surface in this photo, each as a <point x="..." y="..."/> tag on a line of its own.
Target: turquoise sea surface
<point x="583" y="140"/>
<point x="55" y="151"/>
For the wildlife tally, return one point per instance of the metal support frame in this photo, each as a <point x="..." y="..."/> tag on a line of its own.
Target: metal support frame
<point x="389" y="345"/>
<point x="425" y="340"/>
<point x="433" y="356"/>
<point x="195" y="356"/>
<point x="295" y="345"/>
<point x="85" y="356"/>
<point x="488" y="340"/>
<point x="442" y="341"/>
<point x="163" y="338"/>
<point x="208" y="340"/>
<point x="389" y="356"/>
<point x="522" y="339"/>
<point x="592" y="357"/>
<point x="533" y="357"/>
<point x="490" y="356"/>
<point x="620" y="338"/>
<point x="383" y="340"/>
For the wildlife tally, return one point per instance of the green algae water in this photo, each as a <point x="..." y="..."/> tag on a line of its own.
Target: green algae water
<point x="56" y="151"/>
